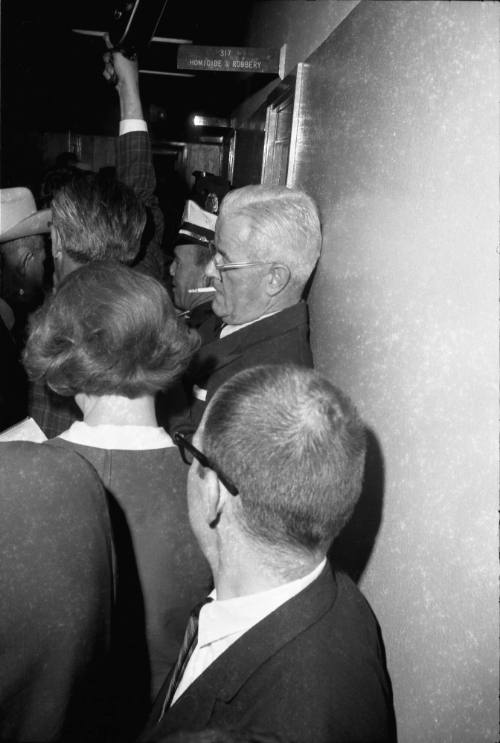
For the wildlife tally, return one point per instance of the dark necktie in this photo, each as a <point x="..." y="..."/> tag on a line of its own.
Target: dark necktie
<point x="185" y="652"/>
<point x="220" y="324"/>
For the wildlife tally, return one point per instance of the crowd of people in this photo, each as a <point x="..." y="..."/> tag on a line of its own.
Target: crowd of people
<point x="164" y="572"/>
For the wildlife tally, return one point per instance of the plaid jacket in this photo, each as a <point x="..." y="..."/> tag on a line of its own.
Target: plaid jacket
<point x="53" y="413"/>
<point x="134" y="166"/>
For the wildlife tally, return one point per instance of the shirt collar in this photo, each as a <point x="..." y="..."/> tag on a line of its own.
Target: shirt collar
<point x="107" y="436"/>
<point x="228" y="329"/>
<point x="220" y="619"/>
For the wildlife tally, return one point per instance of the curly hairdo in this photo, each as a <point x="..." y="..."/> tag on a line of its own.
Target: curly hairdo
<point x="108" y="330"/>
<point x="98" y="219"/>
<point x="294" y="446"/>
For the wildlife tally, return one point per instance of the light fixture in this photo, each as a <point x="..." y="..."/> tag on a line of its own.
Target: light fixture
<point x="211" y="121"/>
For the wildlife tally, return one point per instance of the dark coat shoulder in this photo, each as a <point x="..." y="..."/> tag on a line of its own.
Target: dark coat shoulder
<point x="313" y="671"/>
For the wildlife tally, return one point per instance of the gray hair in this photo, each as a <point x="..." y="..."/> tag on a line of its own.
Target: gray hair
<point x="98" y="219"/>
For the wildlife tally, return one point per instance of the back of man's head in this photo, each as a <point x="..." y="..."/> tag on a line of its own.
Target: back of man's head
<point x="98" y="219"/>
<point x="294" y="446"/>
<point x="284" y="226"/>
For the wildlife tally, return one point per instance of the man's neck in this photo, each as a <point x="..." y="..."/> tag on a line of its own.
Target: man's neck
<point x="67" y="265"/>
<point x="249" y="571"/>
<point x="271" y="309"/>
<point x="283" y="301"/>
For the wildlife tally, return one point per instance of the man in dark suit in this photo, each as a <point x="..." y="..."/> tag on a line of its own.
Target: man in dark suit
<point x="267" y="243"/>
<point x="287" y="646"/>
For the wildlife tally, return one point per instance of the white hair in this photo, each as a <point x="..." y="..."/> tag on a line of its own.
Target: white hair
<point x="284" y="226"/>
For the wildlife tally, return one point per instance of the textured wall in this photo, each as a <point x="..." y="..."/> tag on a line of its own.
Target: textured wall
<point x="398" y="142"/>
<point x="300" y="24"/>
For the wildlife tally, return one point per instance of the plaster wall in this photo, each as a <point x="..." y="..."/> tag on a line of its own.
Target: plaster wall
<point x="300" y="24"/>
<point x="398" y="143"/>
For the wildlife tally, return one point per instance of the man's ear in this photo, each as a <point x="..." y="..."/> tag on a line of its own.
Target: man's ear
<point x="217" y="497"/>
<point x="278" y="278"/>
<point x="55" y="244"/>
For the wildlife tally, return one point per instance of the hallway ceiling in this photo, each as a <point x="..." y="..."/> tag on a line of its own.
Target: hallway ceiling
<point x="52" y="81"/>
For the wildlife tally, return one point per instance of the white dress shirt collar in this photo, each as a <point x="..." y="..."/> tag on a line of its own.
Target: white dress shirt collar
<point x="222" y="623"/>
<point x="220" y="619"/>
<point x="228" y="329"/>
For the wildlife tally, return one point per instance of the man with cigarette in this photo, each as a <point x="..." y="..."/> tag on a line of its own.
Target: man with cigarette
<point x="267" y="243"/>
<point x="193" y="296"/>
<point x="192" y="252"/>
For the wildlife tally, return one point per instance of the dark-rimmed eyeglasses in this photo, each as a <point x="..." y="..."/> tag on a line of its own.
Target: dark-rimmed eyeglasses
<point x="190" y="452"/>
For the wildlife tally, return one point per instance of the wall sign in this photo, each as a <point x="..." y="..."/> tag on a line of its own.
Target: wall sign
<point x="228" y="59"/>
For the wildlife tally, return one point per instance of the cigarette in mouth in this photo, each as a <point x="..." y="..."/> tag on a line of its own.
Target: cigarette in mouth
<point x="201" y="290"/>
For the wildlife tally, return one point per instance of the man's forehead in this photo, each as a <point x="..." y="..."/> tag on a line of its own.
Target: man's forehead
<point x="186" y="250"/>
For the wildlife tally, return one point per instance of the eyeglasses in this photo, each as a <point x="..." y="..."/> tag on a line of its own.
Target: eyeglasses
<point x="190" y="452"/>
<point x="221" y="266"/>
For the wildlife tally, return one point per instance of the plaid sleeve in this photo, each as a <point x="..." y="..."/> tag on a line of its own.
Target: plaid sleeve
<point x="134" y="166"/>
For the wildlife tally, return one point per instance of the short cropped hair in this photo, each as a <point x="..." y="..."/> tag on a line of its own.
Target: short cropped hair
<point x="284" y="226"/>
<point x="294" y="446"/>
<point x="98" y="219"/>
<point x="108" y="330"/>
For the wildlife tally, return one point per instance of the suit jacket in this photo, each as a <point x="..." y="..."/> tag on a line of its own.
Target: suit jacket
<point x="313" y="671"/>
<point x="134" y="166"/>
<point x="278" y="339"/>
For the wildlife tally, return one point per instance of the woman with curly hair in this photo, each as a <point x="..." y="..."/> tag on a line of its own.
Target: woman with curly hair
<point x="110" y="338"/>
